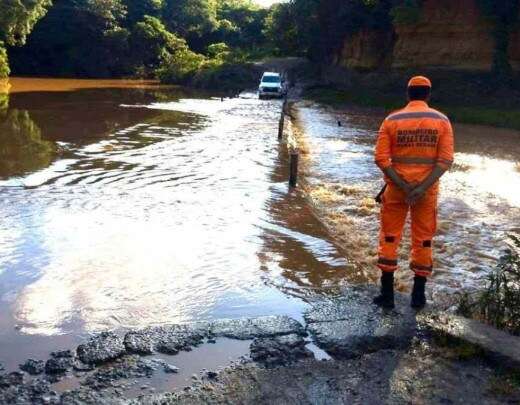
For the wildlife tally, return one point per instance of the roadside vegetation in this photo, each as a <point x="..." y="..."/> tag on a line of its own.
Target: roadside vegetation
<point x="175" y="40"/>
<point x="499" y="303"/>
<point x="212" y="44"/>
<point x="483" y="111"/>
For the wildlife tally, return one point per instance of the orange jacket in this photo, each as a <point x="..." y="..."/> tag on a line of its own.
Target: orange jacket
<point x="413" y="140"/>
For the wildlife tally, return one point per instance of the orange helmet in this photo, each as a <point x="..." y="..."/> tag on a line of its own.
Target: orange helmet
<point x="417" y="81"/>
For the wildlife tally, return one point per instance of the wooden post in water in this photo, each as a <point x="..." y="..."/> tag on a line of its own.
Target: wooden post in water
<point x="293" y="169"/>
<point x="280" y="126"/>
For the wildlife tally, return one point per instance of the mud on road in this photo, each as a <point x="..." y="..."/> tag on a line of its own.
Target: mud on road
<point x="348" y="351"/>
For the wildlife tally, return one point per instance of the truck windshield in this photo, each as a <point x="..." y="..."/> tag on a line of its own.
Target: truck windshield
<point x="271" y="79"/>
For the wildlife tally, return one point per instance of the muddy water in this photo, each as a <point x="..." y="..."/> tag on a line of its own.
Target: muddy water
<point x="128" y="204"/>
<point x="479" y="204"/>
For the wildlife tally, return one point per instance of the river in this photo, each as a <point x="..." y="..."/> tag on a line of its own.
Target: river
<point x="127" y="204"/>
<point x="479" y="203"/>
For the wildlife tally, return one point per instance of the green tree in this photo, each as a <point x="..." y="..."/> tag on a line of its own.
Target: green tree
<point x="241" y="23"/>
<point x="180" y="67"/>
<point x="4" y="63"/>
<point x="114" y="38"/>
<point x="137" y="9"/>
<point x="191" y="19"/>
<point x="281" y="29"/>
<point x="151" y="43"/>
<point x="17" y="19"/>
<point x="218" y="51"/>
<point x="80" y="38"/>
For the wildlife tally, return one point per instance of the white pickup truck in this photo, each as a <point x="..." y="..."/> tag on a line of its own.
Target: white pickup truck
<point x="271" y="85"/>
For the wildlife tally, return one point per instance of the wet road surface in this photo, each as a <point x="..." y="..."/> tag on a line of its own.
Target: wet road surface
<point x="130" y="205"/>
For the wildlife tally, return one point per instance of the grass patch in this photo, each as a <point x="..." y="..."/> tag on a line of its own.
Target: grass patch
<point x="480" y="115"/>
<point x="337" y="98"/>
<point x="504" y="118"/>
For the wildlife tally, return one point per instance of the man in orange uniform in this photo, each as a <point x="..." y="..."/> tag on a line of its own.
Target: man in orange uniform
<point x="414" y="149"/>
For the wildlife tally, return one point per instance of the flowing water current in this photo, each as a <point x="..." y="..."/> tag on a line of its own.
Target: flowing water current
<point x="126" y="205"/>
<point x="479" y="203"/>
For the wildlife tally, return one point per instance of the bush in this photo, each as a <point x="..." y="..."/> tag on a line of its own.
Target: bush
<point x="218" y="51"/>
<point x="223" y="69"/>
<point x="229" y="77"/>
<point x="180" y="67"/>
<point x="499" y="303"/>
<point x="4" y="65"/>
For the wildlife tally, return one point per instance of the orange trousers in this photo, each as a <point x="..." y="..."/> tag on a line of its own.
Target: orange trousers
<point x="394" y="211"/>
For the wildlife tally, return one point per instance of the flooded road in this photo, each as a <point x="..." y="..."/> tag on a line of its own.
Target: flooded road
<point x="479" y="204"/>
<point x="129" y="204"/>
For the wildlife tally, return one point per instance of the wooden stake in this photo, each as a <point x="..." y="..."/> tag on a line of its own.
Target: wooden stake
<point x="280" y="126"/>
<point x="293" y="169"/>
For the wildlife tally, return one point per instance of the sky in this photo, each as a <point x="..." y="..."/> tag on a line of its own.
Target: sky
<point x="267" y="2"/>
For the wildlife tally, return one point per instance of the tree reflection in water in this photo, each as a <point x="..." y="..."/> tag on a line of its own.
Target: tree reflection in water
<point x="22" y="148"/>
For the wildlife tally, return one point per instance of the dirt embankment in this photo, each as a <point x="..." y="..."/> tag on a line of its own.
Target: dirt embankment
<point x="447" y="34"/>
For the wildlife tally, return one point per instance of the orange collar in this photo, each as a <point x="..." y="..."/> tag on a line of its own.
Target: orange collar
<point x="417" y="103"/>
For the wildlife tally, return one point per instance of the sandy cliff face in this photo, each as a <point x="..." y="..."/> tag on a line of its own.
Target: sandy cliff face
<point x="366" y="50"/>
<point x="450" y="35"/>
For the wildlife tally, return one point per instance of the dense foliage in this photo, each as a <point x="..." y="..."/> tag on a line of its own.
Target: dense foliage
<point x="17" y="18"/>
<point x="173" y="38"/>
<point x="4" y="66"/>
<point x="499" y="303"/>
<point x="115" y="38"/>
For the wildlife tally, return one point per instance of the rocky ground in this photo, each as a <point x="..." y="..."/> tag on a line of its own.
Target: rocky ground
<point x="376" y="357"/>
<point x="419" y="375"/>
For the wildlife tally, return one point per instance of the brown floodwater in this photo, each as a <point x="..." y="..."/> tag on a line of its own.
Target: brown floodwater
<point x="127" y="204"/>
<point x="479" y="203"/>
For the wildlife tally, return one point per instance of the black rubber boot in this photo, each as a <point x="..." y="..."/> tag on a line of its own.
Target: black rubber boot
<point x="418" y="297"/>
<point x="386" y="298"/>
